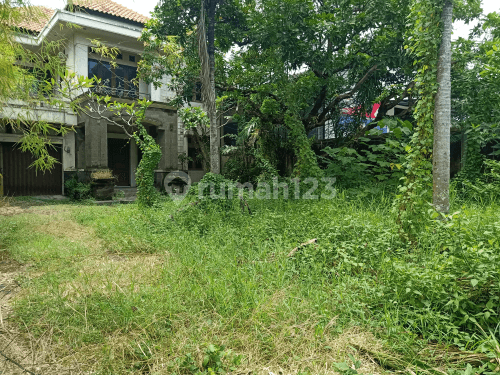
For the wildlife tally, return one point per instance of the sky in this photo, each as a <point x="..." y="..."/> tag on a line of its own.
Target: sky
<point x="460" y="29"/>
<point x="146" y="6"/>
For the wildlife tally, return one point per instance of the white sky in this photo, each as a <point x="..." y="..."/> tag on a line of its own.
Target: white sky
<point x="460" y="29"/>
<point x="146" y="6"/>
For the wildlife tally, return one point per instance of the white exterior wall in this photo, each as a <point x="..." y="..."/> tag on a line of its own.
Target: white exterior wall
<point x="81" y="51"/>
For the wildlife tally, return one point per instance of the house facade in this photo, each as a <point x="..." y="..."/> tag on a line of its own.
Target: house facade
<point x="93" y="143"/>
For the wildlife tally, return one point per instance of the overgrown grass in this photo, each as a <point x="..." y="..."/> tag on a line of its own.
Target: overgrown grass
<point x="186" y="287"/>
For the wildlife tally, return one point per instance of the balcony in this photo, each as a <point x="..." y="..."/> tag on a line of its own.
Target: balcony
<point x="116" y="80"/>
<point x="119" y="92"/>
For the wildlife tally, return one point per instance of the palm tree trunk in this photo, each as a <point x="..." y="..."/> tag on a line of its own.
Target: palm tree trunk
<point x="442" y="117"/>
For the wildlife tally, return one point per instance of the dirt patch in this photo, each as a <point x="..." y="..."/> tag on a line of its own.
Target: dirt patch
<point x="11" y="211"/>
<point x="7" y="264"/>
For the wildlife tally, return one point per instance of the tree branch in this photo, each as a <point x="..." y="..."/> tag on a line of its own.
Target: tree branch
<point x="349" y="94"/>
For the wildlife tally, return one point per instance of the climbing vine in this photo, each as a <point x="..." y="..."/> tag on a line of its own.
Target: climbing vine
<point x="307" y="164"/>
<point x="147" y="195"/>
<point x="424" y="37"/>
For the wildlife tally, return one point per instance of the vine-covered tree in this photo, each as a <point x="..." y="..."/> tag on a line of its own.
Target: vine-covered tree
<point x="442" y="116"/>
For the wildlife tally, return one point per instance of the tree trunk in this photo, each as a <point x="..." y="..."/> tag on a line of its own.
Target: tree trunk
<point x="442" y="117"/>
<point x="214" y="130"/>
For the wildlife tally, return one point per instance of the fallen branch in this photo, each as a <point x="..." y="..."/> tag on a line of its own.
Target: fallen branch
<point x="314" y="240"/>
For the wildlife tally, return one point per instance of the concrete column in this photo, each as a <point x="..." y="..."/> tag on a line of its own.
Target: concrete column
<point x="96" y="144"/>
<point x="162" y="141"/>
<point x="155" y="93"/>
<point x="134" y="162"/>
<point x="80" y="147"/>
<point x="69" y="151"/>
<point x="143" y="89"/>
<point x="167" y="139"/>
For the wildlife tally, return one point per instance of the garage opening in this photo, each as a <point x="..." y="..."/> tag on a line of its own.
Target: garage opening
<point x="20" y="179"/>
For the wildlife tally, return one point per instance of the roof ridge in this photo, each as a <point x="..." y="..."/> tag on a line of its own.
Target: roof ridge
<point x="110" y="7"/>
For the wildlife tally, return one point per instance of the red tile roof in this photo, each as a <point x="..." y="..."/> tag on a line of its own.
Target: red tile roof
<point x="35" y="18"/>
<point x="110" y="7"/>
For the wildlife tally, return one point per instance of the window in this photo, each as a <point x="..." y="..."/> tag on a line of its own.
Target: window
<point x="131" y="58"/>
<point x="115" y="81"/>
<point x="119" y="56"/>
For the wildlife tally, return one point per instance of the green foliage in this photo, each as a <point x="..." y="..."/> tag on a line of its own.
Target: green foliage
<point x="375" y="162"/>
<point x="147" y="195"/>
<point x="485" y="187"/>
<point x="196" y="120"/>
<point x="477" y="179"/>
<point x="307" y="163"/>
<point x="448" y="290"/>
<point x="343" y="60"/>
<point x="248" y="165"/>
<point x="76" y="190"/>
<point x="216" y="360"/>
<point x="215" y="193"/>
<point x="345" y="369"/>
<point x="189" y="276"/>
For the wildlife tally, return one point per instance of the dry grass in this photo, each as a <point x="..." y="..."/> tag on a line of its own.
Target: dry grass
<point x="108" y="275"/>
<point x="64" y="228"/>
<point x="102" y="174"/>
<point x="289" y="355"/>
<point x="7" y="208"/>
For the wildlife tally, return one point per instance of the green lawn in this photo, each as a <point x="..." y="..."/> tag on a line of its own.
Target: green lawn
<point x="184" y="288"/>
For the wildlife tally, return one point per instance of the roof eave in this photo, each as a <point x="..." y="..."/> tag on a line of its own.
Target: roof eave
<point x="81" y="20"/>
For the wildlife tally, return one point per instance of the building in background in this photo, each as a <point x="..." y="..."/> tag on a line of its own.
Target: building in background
<point x="94" y="144"/>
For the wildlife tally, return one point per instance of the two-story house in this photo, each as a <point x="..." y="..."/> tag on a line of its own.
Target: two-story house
<point x="94" y="143"/>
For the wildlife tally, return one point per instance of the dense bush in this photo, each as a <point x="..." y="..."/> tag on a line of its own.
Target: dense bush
<point x="445" y="288"/>
<point x="372" y="161"/>
<point x="76" y="190"/>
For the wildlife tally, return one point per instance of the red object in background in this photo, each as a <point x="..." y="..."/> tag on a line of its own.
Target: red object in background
<point x="372" y="115"/>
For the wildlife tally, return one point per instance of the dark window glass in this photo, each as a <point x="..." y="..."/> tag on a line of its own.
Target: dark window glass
<point x="116" y="81"/>
<point x="119" y="56"/>
<point x="131" y="58"/>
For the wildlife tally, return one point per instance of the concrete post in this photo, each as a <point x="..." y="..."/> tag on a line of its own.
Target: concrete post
<point x="69" y="151"/>
<point x="134" y="162"/>
<point x="96" y="144"/>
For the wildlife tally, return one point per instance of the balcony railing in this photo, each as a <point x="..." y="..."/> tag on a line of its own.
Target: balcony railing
<point x="120" y="92"/>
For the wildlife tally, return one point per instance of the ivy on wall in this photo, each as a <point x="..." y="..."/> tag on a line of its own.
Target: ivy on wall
<point x="147" y="195"/>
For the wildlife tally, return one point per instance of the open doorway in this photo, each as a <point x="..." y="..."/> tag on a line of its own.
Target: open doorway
<point x="119" y="160"/>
